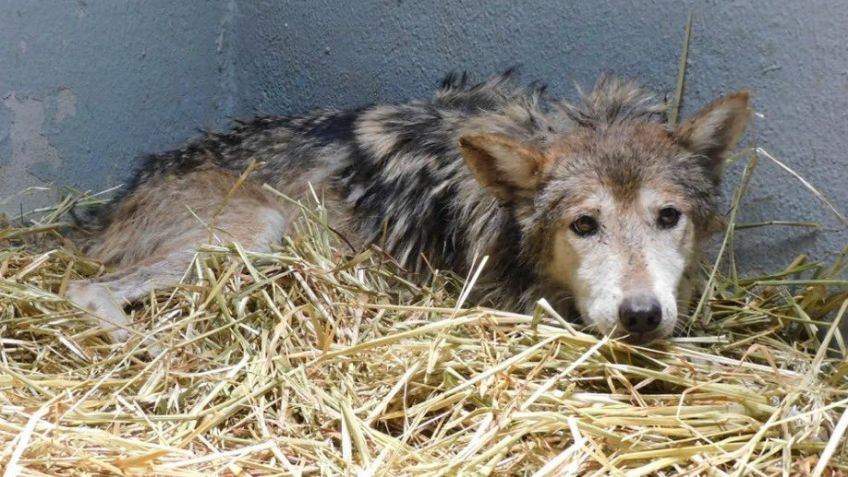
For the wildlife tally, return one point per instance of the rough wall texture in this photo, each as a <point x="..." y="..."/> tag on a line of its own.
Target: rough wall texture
<point x="86" y="87"/>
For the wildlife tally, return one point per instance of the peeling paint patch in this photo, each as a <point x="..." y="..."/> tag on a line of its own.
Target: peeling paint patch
<point x="66" y="105"/>
<point x="82" y="10"/>
<point x="32" y="161"/>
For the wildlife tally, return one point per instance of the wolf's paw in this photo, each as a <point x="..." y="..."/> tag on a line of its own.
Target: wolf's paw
<point x="97" y="300"/>
<point x="101" y="304"/>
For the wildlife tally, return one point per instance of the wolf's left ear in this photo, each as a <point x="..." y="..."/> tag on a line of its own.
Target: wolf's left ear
<point x="507" y="168"/>
<point x="716" y="129"/>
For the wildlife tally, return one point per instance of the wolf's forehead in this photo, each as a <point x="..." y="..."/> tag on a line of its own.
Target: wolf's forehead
<point x="575" y="196"/>
<point x="616" y="143"/>
<point x="621" y="159"/>
<point x="623" y="147"/>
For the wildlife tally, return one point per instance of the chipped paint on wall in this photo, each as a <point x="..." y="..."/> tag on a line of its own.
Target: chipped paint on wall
<point x="32" y="162"/>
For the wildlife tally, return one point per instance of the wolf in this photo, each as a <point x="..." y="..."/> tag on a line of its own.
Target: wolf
<point x="599" y="205"/>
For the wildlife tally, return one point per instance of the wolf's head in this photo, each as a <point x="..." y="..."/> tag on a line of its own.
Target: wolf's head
<point x="613" y="209"/>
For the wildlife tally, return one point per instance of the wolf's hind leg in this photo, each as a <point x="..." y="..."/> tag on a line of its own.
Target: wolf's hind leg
<point x="106" y="296"/>
<point x="255" y="226"/>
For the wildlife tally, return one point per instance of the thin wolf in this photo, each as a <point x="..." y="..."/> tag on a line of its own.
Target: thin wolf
<point x="600" y="206"/>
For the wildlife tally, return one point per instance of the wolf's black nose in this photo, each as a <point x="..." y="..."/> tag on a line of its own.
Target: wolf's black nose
<point x="640" y="313"/>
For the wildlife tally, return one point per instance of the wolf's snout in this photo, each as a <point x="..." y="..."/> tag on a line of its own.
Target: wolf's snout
<point x="640" y="313"/>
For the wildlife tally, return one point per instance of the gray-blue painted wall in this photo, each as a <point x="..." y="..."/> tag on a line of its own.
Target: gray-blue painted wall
<point x="86" y="87"/>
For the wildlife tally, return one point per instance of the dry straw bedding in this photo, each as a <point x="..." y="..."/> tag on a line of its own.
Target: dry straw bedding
<point x="312" y="360"/>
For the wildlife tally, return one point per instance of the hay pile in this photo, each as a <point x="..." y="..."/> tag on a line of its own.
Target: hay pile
<point x="309" y="361"/>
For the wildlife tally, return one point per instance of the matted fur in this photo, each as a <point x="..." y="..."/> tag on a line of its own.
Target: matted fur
<point x="395" y="176"/>
<point x="613" y="101"/>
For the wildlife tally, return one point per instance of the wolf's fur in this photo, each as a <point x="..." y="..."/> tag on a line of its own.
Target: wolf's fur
<point x="395" y="175"/>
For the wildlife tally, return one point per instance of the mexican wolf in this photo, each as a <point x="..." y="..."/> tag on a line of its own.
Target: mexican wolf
<point x="599" y="206"/>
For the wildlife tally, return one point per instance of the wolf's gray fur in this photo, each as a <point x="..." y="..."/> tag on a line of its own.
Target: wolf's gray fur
<point x="396" y="175"/>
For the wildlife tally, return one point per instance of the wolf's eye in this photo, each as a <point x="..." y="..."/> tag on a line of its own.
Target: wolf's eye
<point x="668" y="218"/>
<point x="585" y="226"/>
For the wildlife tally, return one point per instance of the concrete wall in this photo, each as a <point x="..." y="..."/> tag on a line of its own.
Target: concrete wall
<point x="88" y="86"/>
<point x="85" y="87"/>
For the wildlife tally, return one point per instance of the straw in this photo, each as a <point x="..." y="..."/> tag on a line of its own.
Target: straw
<point x="311" y="361"/>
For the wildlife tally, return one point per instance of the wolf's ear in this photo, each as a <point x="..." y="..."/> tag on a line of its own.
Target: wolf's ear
<point x="716" y="129"/>
<point x="507" y="168"/>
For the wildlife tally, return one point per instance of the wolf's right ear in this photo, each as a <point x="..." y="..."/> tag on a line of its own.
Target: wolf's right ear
<point x="714" y="131"/>
<point x="507" y="168"/>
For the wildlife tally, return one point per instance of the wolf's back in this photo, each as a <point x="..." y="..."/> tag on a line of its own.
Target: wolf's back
<point x="395" y="165"/>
